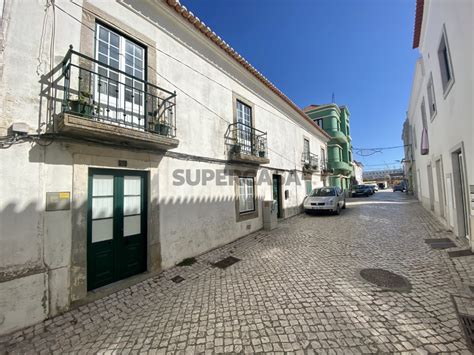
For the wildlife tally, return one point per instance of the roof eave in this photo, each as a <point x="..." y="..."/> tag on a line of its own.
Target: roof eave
<point x="205" y="30"/>
<point x="420" y="4"/>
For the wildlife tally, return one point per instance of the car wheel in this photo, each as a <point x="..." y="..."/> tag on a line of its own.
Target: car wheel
<point x="366" y="195"/>
<point x="344" y="205"/>
<point x="338" y="210"/>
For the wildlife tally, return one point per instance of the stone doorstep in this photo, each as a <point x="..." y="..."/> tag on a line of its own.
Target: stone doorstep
<point x="463" y="304"/>
<point x="464" y="307"/>
<point x="107" y="290"/>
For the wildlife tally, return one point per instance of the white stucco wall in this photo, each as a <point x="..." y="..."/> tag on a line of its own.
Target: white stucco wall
<point x="37" y="247"/>
<point x="453" y="123"/>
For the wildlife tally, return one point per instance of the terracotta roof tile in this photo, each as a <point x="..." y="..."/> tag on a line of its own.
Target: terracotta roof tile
<point x="418" y="22"/>
<point x="198" y="24"/>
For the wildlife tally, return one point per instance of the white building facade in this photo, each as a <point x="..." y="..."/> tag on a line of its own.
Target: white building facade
<point x="149" y="141"/>
<point x="439" y="130"/>
<point x="358" y="168"/>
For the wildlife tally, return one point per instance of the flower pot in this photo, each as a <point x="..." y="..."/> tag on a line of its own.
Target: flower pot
<point x="261" y="154"/>
<point x="236" y="149"/>
<point x="81" y="108"/>
<point x="163" y="129"/>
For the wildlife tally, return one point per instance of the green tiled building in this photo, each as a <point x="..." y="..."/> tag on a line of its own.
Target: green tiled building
<point x="334" y="120"/>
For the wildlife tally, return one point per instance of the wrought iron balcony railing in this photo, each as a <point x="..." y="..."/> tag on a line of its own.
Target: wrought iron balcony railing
<point x="310" y="161"/>
<point x="323" y="166"/>
<point x="100" y="92"/>
<point x="244" y="139"/>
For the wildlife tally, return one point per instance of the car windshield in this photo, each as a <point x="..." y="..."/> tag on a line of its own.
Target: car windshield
<point x="323" y="191"/>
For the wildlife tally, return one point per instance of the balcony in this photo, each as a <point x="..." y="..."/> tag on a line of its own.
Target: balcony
<point x="341" y="166"/>
<point x="246" y="144"/>
<point x="324" y="168"/>
<point x="310" y="162"/>
<point x="338" y="136"/>
<point x="105" y="104"/>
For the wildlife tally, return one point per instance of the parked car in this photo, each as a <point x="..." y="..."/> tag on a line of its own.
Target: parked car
<point x="362" y="190"/>
<point x="325" y="199"/>
<point x="399" y="187"/>
<point x="375" y="187"/>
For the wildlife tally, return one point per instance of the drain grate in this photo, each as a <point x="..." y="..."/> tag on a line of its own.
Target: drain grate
<point x="386" y="279"/>
<point x="443" y="245"/>
<point x="458" y="253"/>
<point x="440" y="243"/>
<point x="226" y="262"/>
<point x="177" y="279"/>
<point x="438" y="240"/>
<point x="467" y="323"/>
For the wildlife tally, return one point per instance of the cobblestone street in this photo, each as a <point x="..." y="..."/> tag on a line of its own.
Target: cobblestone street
<point x="296" y="288"/>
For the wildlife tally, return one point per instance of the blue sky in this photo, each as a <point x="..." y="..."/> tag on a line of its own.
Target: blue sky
<point x="360" y="50"/>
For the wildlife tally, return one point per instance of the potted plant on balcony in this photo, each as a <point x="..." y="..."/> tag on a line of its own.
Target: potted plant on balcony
<point x="162" y="127"/>
<point x="261" y="149"/>
<point x="83" y="105"/>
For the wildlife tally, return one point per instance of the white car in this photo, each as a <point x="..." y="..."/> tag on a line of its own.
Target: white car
<point x="325" y="199"/>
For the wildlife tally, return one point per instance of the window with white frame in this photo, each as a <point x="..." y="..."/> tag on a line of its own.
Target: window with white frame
<point x="246" y="194"/>
<point x="423" y="114"/>
<point x="306" y="150"/>
<point x="445" y="65"/>
<point x="431" y="98"/>
<point x="122" y="94"/>
<point x="244" y="126"/>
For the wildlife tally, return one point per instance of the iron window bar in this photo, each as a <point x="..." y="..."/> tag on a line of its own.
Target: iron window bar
<point x="98" y="91"/>
<point x="244" y="139"/>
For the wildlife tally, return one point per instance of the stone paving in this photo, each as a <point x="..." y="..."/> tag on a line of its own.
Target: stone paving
<point x="296" y="289"/>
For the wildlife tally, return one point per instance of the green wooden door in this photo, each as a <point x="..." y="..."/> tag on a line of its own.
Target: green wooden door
<point x="116" y="226"/>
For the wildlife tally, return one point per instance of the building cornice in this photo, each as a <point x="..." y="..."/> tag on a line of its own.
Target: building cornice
<point x="323" y="107"/>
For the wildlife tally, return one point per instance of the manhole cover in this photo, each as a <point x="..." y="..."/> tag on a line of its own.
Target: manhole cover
<point x="386" y="279"/>
<point x="226" y="262"/>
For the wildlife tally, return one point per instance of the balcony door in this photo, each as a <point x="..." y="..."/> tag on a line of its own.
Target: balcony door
<point x="244" y="127"/>
<point x="116" y="225"/>
<point x="306" y="151"/>
<point x="118" y="90"/>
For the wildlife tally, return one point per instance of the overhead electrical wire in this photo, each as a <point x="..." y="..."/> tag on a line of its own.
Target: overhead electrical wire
<point x="181" y="90"/>
<point x="177" y="60"/>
